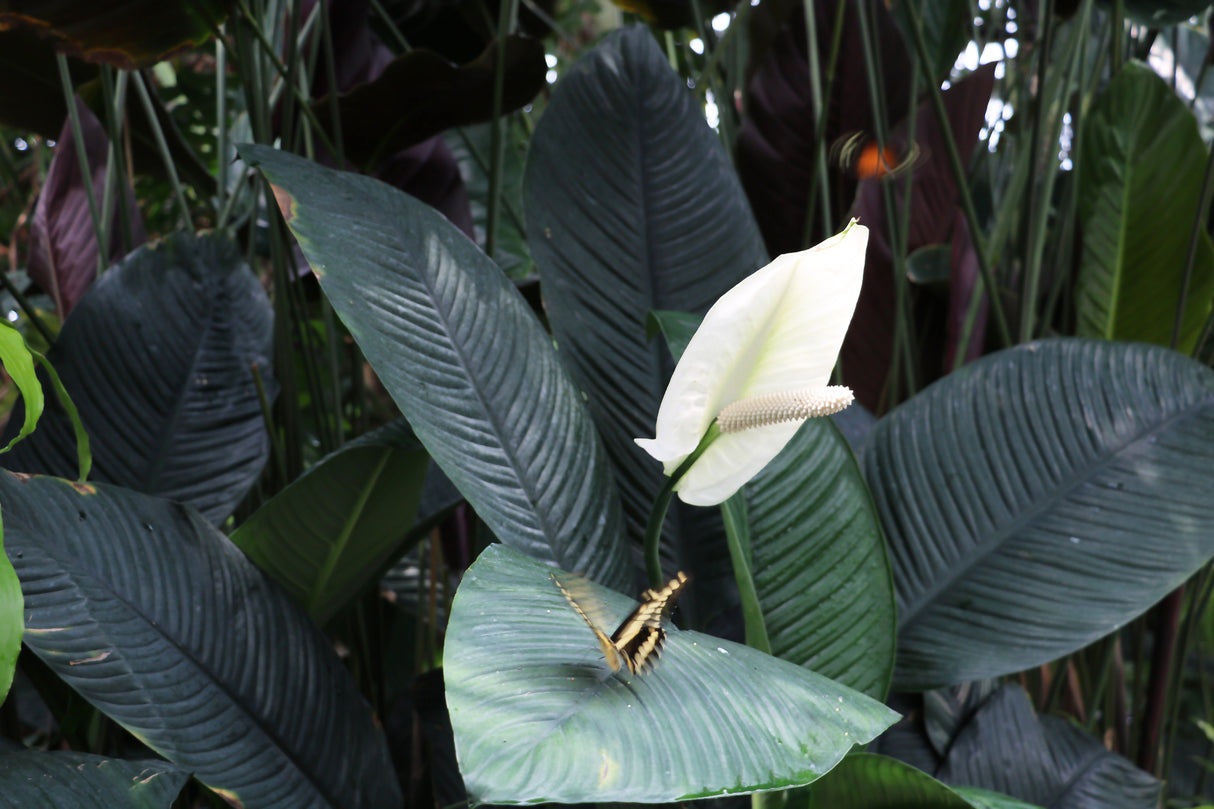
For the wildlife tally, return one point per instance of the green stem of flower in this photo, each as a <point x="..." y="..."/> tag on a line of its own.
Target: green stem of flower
<point x="737" y="536"/>
<point x="653" y="531"/>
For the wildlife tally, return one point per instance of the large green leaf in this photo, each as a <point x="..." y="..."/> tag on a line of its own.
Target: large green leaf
<point x="328" y="534"/>
<point x="158" y="620"/>
<point x="37" y="780"/>
<point x="867" y="781"/>
<point x="12" y="620"/>
<point x="1040" y="498"/>
<point x="463" y="357"/>
<point x="158" y="356"/>
<point x="632" y="205"/>
<point x="539" y="717"/>
<point x="820" y="564"/>
<point x="1140" y="172"/>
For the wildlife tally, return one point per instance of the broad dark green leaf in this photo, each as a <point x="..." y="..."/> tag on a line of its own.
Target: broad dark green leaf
<point x="1048" y="761"/>
<point x="632" y="205"/>
<point x="867" y="781"/>
<point x="539" y="717"/>
<point x="12" y="619"/>
<point x="464" y="359"/>
<point x="326" y="536"/>
<point x="1040" y="498"/>
<point x="1140" y="172"/>
<point x="37" y="780"/>
<point x="820" y="564"/>
<point x="159" y="621"/>
<point x="129" y="34"/>
<point x="159" y="358"/>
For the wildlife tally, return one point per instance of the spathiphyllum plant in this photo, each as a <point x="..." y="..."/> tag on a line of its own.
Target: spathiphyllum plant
<point x="758" y="367"/>
<point x="352" y="383"/>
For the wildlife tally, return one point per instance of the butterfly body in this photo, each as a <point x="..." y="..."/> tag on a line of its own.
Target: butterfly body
<point x="638" y="640"/>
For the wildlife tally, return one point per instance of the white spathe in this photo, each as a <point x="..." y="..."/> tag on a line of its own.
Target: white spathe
<point x="780" y="329"/>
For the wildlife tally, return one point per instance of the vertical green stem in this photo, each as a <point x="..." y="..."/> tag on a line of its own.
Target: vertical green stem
<point x="162" y="145"/>
<point x="963" y="191"/>
<point x="653" y="530"/>
<point x="507" y="14"/>
<point x="737" y="536"/>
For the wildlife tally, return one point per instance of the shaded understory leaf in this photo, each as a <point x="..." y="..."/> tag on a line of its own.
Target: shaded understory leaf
<point x="539" y="717"/>
<point x="38" y="780"/>
<point x="160" y="622"/>
<point x="325" y="536"/>
<point x="1040" y="498"/>
<point x="867" y="781"/>
<point x="1048" y="761"/>
<point x="159" y="357"/>
<point x="465" y="360"/>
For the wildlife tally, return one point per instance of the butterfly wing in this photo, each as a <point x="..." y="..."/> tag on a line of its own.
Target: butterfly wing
<point x="640" y="637"/>
<point x="614" y="660"/>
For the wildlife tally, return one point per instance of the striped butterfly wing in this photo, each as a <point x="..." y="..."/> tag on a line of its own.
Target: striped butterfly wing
<point x="640" y="637"/>
<point x="638" y="640"/>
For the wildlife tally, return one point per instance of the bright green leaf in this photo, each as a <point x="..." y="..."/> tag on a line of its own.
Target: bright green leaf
<point x="1140" y="173"/>
<point x="12" y="619"/>
<point x="18" y="363"/>
<point x="821" y="568"/>
<point x="867" y="781"/>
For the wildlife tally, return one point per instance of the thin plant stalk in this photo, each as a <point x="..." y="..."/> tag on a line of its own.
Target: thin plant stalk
<point x="507" y="16"/>
<point x="967" y="202"/>
<point x="657" y="516"/>
<point x="162" y="145"/>
<point x="86" y="172"/>
<point x="1034" y="226"/>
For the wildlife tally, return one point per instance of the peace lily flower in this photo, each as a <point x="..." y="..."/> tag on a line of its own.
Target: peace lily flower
<point x="758" y="367"/>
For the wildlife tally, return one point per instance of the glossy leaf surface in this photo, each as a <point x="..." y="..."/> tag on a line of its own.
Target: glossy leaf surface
<point x="155" y="618"/>
<point x="41" y="780"/>
<point x="463" y="357"/>
<point x="539" y="717"/>
<point x="159" y="357"/>
<point x="1040" y="498"/>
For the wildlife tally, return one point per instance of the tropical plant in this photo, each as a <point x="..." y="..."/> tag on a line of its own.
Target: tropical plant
<point x="333" y="328"/>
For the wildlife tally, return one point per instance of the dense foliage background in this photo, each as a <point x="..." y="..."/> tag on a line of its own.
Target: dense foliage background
<point x="361" y="305"/>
